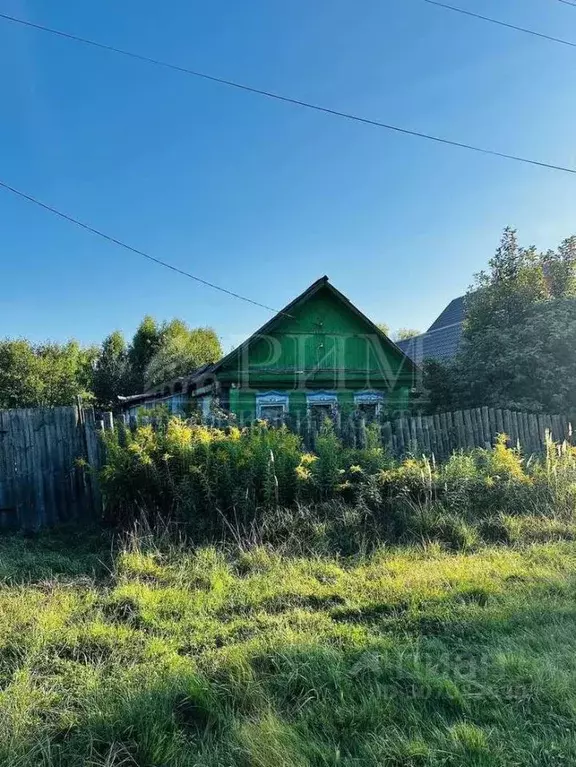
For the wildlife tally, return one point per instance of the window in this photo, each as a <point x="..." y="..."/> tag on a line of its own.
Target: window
<point x="368" y="410"/>
<point x="272" y="406"/>
<point x="369" y="403"/>
<point x="319" y="414"/>
<point x="322" y="405"/>
<point x="205" y="406"/>
<point x="274" y="414"/>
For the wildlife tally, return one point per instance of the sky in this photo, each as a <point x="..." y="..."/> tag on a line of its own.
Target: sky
<point x="263" y="197"/>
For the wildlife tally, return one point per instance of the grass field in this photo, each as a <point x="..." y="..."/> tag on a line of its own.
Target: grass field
<point x="177" y="658"/>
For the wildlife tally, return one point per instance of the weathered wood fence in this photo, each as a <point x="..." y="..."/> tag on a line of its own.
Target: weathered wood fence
<point x="444" y="433"/>
<point x="439" y="434"/>
<point x="49" y="458"/>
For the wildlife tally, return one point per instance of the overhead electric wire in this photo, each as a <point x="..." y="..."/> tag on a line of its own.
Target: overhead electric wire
<point x="500" y="23"/>
<point x="290" y="100"/>
<point x="567" y="2"/>
<point x="132" y="249"/>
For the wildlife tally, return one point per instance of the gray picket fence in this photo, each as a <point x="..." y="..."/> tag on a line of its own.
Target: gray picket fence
<point x="440" y="434"/>
<point x="444" y="433"/>
<point x="49" y="459"/>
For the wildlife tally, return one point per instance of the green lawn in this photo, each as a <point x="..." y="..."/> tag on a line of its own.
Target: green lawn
<point x="408" y="657"/>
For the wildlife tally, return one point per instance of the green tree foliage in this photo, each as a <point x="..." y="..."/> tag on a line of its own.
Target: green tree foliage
<point x="181" y="350"/>
<point x="384" y="327"/>
<point x="44" y="375"/>
<point x="145" y="344"/>
<point x="403" y="334"/>
<point x="66" y="372"/>
<point x="19" y="374"/>
<point x="519" y="338"/>
<point x="51" y="374"/>
<point x="112" y="371"/>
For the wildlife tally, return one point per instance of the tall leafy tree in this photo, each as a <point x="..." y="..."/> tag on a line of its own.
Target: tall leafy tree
<point x="403" y="334"/>
<point x="519" y="338"/>
<point x="112" y="372"/>
<point x="20" y="379"/>
<point x="45" y="375"/>
<point x="182" y="349"/>
<point x="384" y="327"/>
<point x="145" y="344"/>
<point x="65" y="373"/>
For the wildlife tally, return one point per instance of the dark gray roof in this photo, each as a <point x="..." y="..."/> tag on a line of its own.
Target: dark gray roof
<point x="442" y="339"/>
<point x="452" y="314"/>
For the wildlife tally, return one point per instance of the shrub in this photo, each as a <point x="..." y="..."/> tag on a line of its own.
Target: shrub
<point x="260" y="484"/>
<point x="195" y="474"/>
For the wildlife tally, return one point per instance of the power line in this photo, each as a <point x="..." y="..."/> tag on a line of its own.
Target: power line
<point x="138" y="252"/>
<point x="567" y="2"/>
<point x="500" y="23"/>
<point x="288" y="99"/>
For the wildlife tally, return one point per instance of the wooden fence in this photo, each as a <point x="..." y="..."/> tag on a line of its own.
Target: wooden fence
<point x="50" y="458"/>
<point x="48" y="463"/>
<point x="444" y="433"/>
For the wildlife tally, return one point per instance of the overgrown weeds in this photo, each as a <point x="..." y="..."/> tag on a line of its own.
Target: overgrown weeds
<point x="259" y="485"/>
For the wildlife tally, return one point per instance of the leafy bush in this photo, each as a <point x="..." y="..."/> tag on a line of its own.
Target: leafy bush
<point x="198" y="474"/>
<point x="259" y="483"/>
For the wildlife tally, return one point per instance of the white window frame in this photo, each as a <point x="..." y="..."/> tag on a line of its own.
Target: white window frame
<point x="176" y="403"/>
<point x="323" y="398"/>
<point x="271" y="399"/>
<point x="370" y="397"/>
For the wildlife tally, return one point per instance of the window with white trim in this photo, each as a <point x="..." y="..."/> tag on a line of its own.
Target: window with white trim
<point x="272" y="406"/>
<point x="369" y="403"/>
<point x="322" y="406"/>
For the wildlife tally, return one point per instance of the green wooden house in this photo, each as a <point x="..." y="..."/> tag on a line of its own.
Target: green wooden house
<point x="320" y="356"/>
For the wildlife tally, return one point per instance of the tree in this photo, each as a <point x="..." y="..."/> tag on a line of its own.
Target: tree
<point x="519" y="339"/>
<point x="44" y="375"/>
<point x="145" y="344"/>
<point x="65" y="373"/>
<point x="20" y="379"/>
<point x="181" y="351"/>
<point x="112" y="371"/>
<point x="384" y="327"/>
<point x="403" y="334"/>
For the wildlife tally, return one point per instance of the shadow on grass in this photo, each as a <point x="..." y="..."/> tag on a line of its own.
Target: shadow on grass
<point x="402" y="701"/>
<point x="67" y="554"/>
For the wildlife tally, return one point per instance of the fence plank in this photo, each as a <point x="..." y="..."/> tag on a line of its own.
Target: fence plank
<point x="486" y="427"/>
<point x="40" y="482"/>
<point x="477" y="429"/>
<point x="468" y="435"/>
<point x="499" y="425"/>
<point x="42" y="485"/>
<point x="406" y="435"/>
<point x="449" y="426"/>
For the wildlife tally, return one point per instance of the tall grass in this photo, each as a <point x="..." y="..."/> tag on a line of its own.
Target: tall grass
<point x="361" y="611"/>
<point x="259" y="484"/>
<point x="171" y="657"/>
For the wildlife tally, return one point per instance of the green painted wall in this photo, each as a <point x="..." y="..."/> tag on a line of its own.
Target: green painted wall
<point x="324" y="344"/>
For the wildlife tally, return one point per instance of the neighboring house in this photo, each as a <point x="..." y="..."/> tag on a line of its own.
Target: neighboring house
<point x="318" y="356"/>
<point x="442" y="339"/>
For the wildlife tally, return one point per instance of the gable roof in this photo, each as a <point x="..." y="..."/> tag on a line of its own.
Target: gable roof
<point x="452" y="314"/>
<point x="205" y="372"/>
<point x="306" y="295"/>
<point x="442" y="339"/>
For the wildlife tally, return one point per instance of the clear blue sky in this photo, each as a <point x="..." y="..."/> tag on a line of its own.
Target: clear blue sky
<point x="258" y="196"/>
